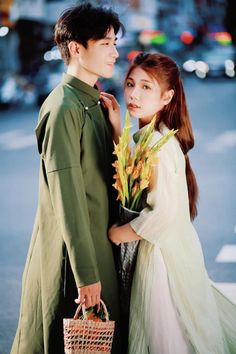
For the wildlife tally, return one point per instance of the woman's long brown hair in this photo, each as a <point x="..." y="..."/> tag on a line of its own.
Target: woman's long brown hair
<point x="174" y="115"/>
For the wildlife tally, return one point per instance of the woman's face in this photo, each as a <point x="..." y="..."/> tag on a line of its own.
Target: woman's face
<point x="143" y="95"/>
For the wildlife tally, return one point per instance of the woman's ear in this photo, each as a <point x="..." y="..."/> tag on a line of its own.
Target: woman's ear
<point x="167" y="97"/>
<point x="73" y="48"/>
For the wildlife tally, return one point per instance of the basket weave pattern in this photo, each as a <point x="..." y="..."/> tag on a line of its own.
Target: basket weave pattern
<point x="83" y="336"/>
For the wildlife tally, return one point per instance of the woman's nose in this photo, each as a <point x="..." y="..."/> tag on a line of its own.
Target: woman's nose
<point x="134" y="93"/>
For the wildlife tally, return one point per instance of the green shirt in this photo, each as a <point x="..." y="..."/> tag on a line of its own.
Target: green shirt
<point x="69" y="246"/>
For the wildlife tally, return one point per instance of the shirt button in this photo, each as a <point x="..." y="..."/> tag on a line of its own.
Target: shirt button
<point x="99" y="102"/>
<point x="86" y="108"/>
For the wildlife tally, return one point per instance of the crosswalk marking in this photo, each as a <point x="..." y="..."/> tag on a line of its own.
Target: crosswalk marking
<point x="16" y="139"/>
<point x="227" y="254"/>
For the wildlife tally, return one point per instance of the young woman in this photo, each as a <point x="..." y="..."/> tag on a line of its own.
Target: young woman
<point x="175" y="309"/>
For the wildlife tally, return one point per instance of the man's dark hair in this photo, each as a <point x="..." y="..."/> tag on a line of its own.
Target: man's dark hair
<point x="82" y="23"/>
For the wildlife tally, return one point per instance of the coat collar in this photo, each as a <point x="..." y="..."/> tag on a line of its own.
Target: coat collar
<point x="91" y="93"/>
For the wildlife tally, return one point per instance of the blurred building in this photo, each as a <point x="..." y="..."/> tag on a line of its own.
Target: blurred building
<point x="7" y="38"/>
<point x="29" y="24"/>
<point x="30" y="28"/>
<point x="180" y="15"/>
<point x="230" y="19"/>
<point x="34" y="26"/>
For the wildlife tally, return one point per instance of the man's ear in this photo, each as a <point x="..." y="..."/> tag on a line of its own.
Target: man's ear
<point x="74" y="48"/>
<point x="167" y="97"/>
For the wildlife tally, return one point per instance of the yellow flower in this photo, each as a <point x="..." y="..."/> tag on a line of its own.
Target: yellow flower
<point x="137" y="148"/>
<point x="144" y="184"/>
<point x="140" y="165"/>
<point x="134" y="167"/>
<point x="134" y="189"/>
<point x="129" y="170"/>
<point x="115" y="164"/>
<point x="136" y="173"/>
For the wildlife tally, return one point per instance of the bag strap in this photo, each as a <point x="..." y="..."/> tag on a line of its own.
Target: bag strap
<point x="82" y="306"/>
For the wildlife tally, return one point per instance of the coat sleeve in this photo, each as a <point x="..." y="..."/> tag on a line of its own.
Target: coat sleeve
<point x="61" y="154"/>
<point x="162" y="200"/>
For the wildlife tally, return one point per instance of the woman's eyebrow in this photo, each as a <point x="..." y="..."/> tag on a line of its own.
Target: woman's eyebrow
<point x="142" y="80"/>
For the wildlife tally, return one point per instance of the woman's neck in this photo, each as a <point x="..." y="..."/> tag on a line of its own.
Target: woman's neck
<point x="142" y="123"/>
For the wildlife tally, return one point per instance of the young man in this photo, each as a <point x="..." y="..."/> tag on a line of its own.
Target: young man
<point x="70" y="256"/>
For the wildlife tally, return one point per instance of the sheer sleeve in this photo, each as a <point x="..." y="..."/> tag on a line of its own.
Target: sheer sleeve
<point x="162" y="200"/>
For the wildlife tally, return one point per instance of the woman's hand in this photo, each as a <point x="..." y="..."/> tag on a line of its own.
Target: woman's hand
<point x="122" y="234"/>
<point x="113" y="235"/>
<point x="113" y="107"/>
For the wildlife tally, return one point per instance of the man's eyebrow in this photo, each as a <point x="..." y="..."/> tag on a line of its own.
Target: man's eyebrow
<point x="110" y="38"/>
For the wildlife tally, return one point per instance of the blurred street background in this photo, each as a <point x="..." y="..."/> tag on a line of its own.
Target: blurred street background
<point x="201" y="36"/>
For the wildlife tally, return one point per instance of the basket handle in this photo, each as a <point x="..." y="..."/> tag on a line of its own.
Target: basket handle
<point x="82" y="306"/>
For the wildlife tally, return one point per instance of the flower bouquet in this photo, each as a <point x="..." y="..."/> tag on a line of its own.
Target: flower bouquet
<point x="133" y="168"/>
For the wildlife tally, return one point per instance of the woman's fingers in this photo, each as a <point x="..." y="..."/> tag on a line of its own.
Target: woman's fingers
<point x="112" y="100"/>
<point x="107" y="104"/>
<point x="107" y="101"/>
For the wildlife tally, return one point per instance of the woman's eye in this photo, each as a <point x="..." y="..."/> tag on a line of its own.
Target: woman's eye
<point x="145" y="87"/>
<point x="129" y="84"/>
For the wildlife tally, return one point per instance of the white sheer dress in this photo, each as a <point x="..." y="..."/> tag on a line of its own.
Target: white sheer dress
<point x="175" y="308"/>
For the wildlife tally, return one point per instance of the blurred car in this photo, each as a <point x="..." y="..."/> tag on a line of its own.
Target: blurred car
<point x="217" y="61"/>
<point x="16" y="90"/>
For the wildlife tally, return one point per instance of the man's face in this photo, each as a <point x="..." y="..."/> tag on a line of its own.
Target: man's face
<point x="98" y="59"/>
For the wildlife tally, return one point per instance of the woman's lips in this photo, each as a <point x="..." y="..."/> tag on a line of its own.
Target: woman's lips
<point x="133" y="106"/>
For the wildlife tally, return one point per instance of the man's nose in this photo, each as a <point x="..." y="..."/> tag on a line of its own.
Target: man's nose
<point x="115" y="53"/>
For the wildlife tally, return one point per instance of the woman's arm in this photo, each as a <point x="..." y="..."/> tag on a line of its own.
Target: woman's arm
<point x="110" y="102"/>
<point x="122" y="234"/>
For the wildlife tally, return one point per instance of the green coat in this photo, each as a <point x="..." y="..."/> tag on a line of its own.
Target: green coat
<point x="69" y="246"/>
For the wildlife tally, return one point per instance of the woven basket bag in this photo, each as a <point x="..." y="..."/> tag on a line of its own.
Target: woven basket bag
<point x="83" y="336"/>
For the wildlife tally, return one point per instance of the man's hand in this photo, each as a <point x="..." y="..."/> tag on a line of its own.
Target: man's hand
<point x="89" y="294"/>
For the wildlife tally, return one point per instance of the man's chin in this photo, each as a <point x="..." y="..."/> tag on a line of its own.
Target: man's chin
<point x="108" y="74"/>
